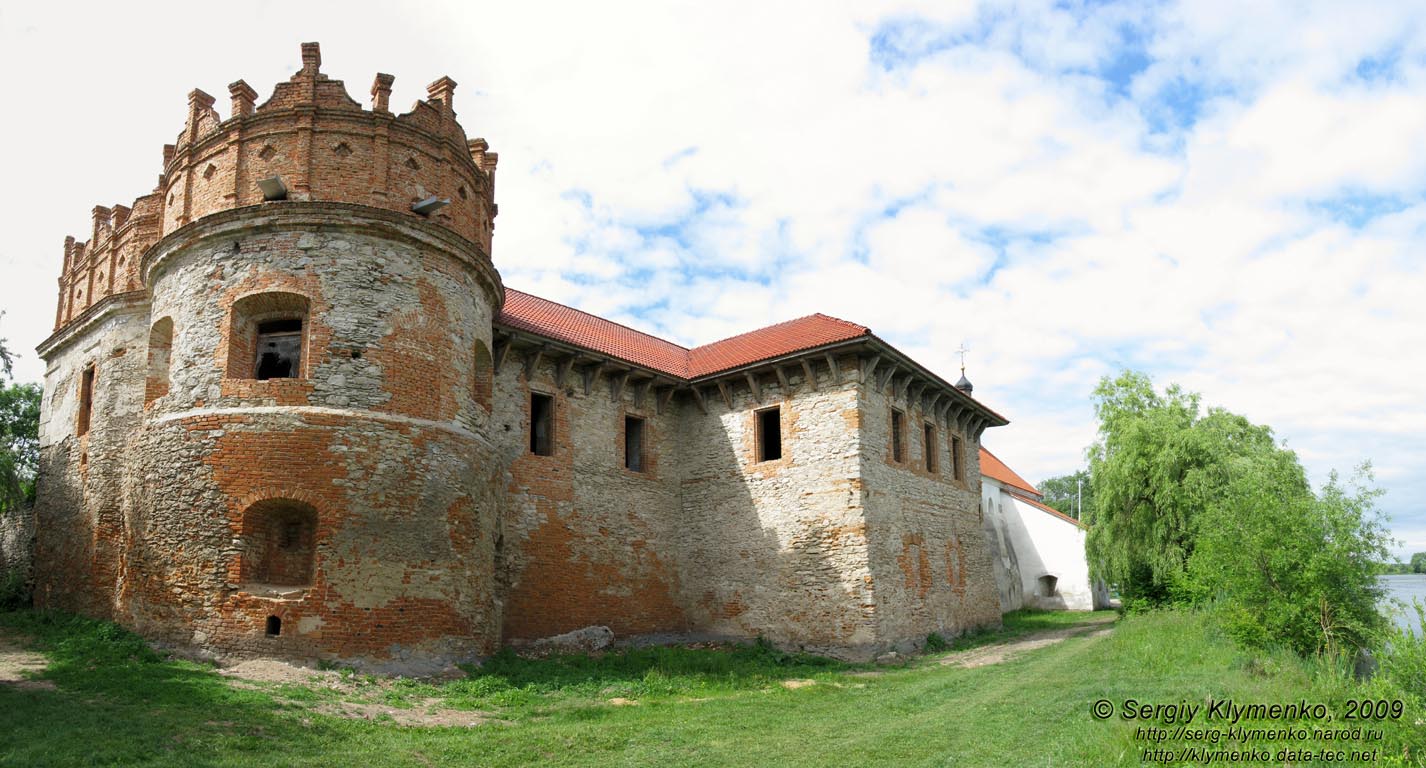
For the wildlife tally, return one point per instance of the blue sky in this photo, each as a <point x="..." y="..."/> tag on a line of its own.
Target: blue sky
<point x="1225" y="195"/>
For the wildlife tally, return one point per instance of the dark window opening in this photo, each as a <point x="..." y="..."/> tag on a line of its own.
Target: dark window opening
<point x="291" y="535"/>
<point x="274" y="626"/>
<point x="279" y="349"/>
<point x="957" y="461"/>
<point x="1048" y="586"/>
<point x="770" y="434"/>
<point x="634" y="443"/>
<point x="280" y="543"/>
<point x="929" y="444"/>
<point x="542" y="409"/>
<point x="898" y="435"/>
<point x="86" y="399"/>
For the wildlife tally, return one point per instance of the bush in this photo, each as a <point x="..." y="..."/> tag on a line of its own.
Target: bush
<point x="14" y="591"/>
<point x="1287" y="567"/>
<point x="935" y="643"/>
<point x="1402" y="657"/>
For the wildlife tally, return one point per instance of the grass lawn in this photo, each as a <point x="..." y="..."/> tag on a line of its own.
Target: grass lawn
<point x="115" y="703"/>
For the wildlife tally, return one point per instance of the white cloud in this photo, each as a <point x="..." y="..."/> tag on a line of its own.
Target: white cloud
<point x="698" y="170"/>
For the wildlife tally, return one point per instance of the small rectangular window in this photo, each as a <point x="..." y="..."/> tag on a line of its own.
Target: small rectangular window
<point x="279" y="349"/>
<point x="898" y="435"/>
<point x="957" y="461"/>
<point x="930" y="447"/>
<point x="634" y="443"/>
<point x="86" y="400"/>
<point x="769" y="434"/>
<point x="542" y="409"/>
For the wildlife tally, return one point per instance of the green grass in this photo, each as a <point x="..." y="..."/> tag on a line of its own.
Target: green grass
<point x="116" y="703"/>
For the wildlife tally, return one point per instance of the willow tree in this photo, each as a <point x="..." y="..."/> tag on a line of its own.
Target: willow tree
<point x="1158" y="464"/>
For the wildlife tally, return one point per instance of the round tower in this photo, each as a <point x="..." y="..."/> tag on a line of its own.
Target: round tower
<point x="309" y="473"/>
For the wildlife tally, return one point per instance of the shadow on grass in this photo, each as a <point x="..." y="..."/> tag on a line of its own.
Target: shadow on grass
<point x="118" y="702"/>
<point x="506" y="680"/>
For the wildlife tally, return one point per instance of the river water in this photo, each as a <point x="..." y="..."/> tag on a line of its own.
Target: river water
<point x="1405" y="587"/>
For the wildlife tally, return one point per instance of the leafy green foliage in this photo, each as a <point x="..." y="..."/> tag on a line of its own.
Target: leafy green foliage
<point x="1194" y="506"/>
<point x="1069" y="493"/>
<point x="19" y="443"/>
<point x="935" y="643"/>
<point x="1418" y="562"/>
<point x="1157" y="465"/>
<point x="7" y="358"/>
<point x="1290" y="567"/>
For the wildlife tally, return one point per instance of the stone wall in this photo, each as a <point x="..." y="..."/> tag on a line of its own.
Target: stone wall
<point x="374" y="456"/>
<point x="778" y="548"/>
<point x="929" y="561"/>
<point x="84" y="483"/>
<point x="1004" y="557"/>
<point x="586" y="541"/>
<point x="17" y="544"/>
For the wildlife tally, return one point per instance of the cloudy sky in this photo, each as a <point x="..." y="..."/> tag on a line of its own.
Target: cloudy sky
<point x="1225" y="195"/>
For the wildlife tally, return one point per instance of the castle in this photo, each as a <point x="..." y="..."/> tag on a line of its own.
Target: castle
<point x="291" y="410"/>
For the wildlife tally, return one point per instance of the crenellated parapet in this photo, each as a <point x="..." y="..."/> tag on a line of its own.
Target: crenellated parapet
<point x="310" y="141"/>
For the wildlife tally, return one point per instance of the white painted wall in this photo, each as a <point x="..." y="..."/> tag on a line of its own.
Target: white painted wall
<point x="1038" y="544"/>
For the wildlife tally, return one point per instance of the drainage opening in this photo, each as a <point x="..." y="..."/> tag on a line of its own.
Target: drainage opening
<point x="274" y="626"/>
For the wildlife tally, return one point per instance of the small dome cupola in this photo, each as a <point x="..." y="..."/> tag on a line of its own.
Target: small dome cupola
<point x="964" y="384"/>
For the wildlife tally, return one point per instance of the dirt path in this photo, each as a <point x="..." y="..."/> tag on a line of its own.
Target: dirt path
<point x="1096" y="626"/>
<point x="18" y="666"/>
<point x="360" y="699"/>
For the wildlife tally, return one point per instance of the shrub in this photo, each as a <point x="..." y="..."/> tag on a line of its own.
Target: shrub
<point x="935" y="643"/>
<point x="14" y="591"/>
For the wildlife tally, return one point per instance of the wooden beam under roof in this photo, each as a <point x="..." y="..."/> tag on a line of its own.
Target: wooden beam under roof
<point x="532" y="361"/>
<point x="502" y="349"/>
<point x="753" y="385"/>
<point x="727" y="396"/>
<point x="563" y="368"/>
<point x="616" y="384"/>
<point x="591" y="375"/>
<point x="698" y="397"/>
<point x="869" y="368"/>
<point x="810" y="374"/>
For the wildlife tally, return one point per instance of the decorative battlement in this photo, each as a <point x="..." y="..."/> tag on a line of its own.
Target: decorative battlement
<point x="319" y="143"/>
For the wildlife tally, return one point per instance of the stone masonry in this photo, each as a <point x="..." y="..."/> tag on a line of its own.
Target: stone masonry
<point x="290" y="410"/>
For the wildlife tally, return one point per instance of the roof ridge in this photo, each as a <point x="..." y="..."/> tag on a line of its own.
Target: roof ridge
<point x="789" y="321"/>
<point x="600" y="318"/>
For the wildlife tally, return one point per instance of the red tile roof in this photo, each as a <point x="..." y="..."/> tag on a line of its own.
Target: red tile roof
<point x="556" y="321"/>
<point x="773" y="341"/>
<point x="995" y="469"/>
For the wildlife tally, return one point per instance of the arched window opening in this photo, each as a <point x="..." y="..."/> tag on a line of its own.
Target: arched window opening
<point x="268" y="336"/>
<point x="1048" y="585"/>
<point x="483" y="371"/>
<point x="280" y="543"/>
<point x="160" y="357"/>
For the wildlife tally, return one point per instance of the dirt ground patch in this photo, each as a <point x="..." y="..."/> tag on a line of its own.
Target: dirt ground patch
<point x="18" y="666"/>
<point x="1000" y="652"/>
<point x="261" y="673"/>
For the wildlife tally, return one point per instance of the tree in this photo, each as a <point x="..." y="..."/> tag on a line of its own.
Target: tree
<point x="1158" y="464"/>
<point x="1418" y="562"/>
<point x="1287" y="566"/>
<point x="19" y="443"/>
<point x="1069" y="493"/>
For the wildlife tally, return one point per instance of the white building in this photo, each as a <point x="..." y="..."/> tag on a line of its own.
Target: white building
<point x="1037" y="551"/>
